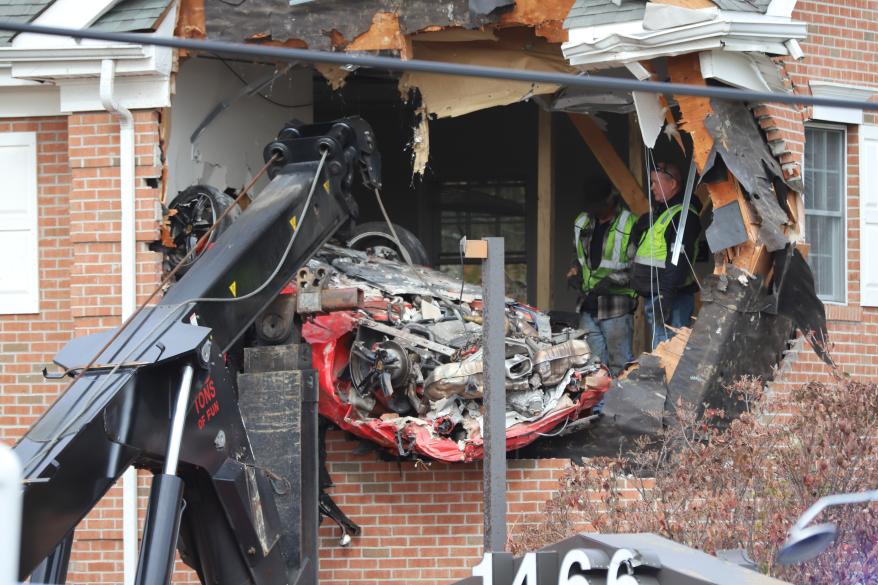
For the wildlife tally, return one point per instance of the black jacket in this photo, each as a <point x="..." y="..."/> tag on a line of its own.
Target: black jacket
<point x="669" y="280"/>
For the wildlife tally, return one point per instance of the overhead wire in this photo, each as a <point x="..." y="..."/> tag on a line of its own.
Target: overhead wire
<point x="287" y="250"/>
<point x="438" y="67"/>
<point x="653" y="167"/>
<point x="653" y="270"/>
<point x="675" y="223"/>
<point x="244" y="81"/>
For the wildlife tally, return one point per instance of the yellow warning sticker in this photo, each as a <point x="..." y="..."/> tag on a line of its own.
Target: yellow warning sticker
<point x="294" y="223"/>
<point x="326" y="186"/>
<point x="234" y="288"/>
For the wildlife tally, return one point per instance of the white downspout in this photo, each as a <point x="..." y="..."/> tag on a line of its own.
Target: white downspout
<point x="127" y="238"/>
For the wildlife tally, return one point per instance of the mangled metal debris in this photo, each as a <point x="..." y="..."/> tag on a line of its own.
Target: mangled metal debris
<point x="404" y="367"/>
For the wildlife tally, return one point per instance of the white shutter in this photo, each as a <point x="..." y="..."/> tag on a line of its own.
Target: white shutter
<point x="19" y="272"/>
<point x="868" y="215"/>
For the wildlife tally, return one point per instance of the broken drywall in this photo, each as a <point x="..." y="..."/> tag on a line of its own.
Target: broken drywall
<point x="227" y="151"/>
<point x="449" y="96"/>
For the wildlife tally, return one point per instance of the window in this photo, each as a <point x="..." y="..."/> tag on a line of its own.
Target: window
<point x="478" y="210"/>
<point x="825" y="197"/>
<point x="19" y="279"/>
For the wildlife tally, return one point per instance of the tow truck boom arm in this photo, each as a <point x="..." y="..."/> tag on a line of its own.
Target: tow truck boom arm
<point x="169" y="403"/>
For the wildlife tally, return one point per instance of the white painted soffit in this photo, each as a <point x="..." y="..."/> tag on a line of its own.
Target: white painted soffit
<point x="754" y="71"/>
<point x="74" y="67"/>
<point x="834" y="89"/>
<point x="616" y="44"/>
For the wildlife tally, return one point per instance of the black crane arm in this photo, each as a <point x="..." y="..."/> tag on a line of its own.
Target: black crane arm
<point x="164" y="398"/>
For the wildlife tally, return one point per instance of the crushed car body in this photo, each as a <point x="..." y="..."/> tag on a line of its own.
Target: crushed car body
<point x="398" y="351"/>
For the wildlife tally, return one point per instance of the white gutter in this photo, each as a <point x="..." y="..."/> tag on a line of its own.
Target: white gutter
<point x="620" y="43"/>
<point x="25" y="54"/>
<point x="127" y="238"/>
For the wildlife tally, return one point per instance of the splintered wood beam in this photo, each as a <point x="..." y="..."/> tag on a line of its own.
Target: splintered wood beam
<point x="385" y="33"/>
<point x="545" y="209"/>
<point x="611" y="162"/>
<point x="750" y="255"/>
<point x="670" y="351"/>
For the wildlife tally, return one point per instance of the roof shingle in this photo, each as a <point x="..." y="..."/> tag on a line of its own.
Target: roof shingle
<point x="132" y="15"/>
<point x="586" y="13"/>
<point x="743" y="5"/>
<point x="19" y="11"/>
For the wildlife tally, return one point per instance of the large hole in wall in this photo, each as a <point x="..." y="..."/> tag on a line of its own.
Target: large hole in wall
<point x="227" y="150"/>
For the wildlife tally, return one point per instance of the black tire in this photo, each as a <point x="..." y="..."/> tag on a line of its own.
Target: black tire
<point x="376" y="236"/>
<point x="198" y="208"/>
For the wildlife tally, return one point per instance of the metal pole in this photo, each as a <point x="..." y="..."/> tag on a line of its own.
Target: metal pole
<point x="310" y="482"/>
<point x="155" y="564"/>
<point x="176" y="435"/>
<point x="494" y="348"/>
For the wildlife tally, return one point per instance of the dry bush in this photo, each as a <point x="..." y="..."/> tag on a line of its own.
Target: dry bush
<point x="716" y="484"/>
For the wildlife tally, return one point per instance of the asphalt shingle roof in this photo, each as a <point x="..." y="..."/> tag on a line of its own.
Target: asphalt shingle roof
<point x="585" y="13"/>
<point x="743" y="5"/>
<point x="19" y="11"/>
<point x="132" y="15"/>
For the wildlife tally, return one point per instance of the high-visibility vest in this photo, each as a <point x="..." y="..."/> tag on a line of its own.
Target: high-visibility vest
<point x="653" y="248"/>
<point x="615" y="252"/>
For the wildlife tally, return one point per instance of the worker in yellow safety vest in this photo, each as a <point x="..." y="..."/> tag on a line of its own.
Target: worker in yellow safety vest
<point x="600" y="272"/>
<point x="668" y="289"/>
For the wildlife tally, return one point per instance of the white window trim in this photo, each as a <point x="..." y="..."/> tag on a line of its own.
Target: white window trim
<point x="834" y="89"/>
<point x="32" y="306"/>
<point x="866" y="132"/>
<point x="844" y="208"/>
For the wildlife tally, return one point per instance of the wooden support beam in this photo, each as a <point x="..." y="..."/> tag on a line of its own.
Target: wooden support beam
<point x="611" y="162"/>
<point x="545" y="209"/>
<point x="641" y="340"/>
<point x="636" y="162"/>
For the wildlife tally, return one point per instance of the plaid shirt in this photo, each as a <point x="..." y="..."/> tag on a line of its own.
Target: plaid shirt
<point x="610" y="306"/>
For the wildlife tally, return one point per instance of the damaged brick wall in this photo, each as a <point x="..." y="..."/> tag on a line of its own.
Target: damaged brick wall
<point x="841" y="47"/>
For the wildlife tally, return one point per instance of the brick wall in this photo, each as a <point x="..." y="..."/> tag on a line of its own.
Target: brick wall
<point x="28" y="342"/>
<point x="422" y="524"/>
<point x="78" y="219"/>
<point x="841" y="47"/>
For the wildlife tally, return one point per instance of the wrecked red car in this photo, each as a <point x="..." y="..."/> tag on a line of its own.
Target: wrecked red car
<point x="398" y="351"/>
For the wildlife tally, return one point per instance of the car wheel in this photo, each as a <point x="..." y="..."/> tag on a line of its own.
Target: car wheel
<point x="375" y="238"/>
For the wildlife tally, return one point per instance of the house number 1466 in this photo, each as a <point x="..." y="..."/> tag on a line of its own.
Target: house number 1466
<point x="578" y="566"/>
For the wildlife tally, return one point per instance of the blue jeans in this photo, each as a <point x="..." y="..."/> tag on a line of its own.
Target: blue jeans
<point x="681" y="310"/>
<point x="609" y="339"/>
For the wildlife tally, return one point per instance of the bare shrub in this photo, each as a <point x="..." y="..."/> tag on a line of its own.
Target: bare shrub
<point x="715" y="484"/>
